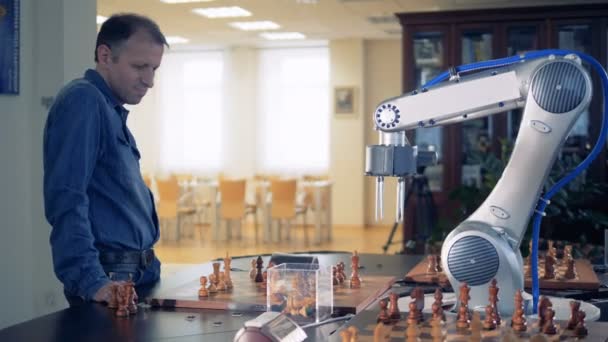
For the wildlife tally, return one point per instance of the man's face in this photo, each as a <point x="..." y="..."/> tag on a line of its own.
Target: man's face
<point x="129" y="71"/>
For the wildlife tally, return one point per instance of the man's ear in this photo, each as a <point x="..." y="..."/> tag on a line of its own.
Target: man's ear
<point x="104" y="54"/>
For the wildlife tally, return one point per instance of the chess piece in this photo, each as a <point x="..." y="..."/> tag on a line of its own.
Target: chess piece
<point x="493" y="289"/>
<point x="354" y="333"/>
<point x="464" y="294"/>
<point x="581" y="329"/>
<point x="543" y="304"/>
<point x="394" y="313"/>
<point x="383" y="316"/>
<point x="489" y="323"/>
<point x="202" y="292"/>
<point x="221" y="284"/>
<point x="419" y="296"/>
<point x="382" y="332"/>
<point x="412" y="316"/>
<point x="212" y="288"/>
<point x="431" y="264"/>
<point x="216" y="271"/>
<point x="227" y="270"/>
<point x="575" y="306"/>
<point x="355" y="281"/>
<point x="122" y="310"/>
<point x="518" y="321"/>
<point x="436" y="331"/>
<point x="346" y="335"/>
<point x="529" y="257"/>
<point x="549" y="267"/>
<point x="341" y="272"/>
<point x="549" y="328"/>
<point x="334" y="273"/>
<point x="463" y="317"/>
<point x="131" y="295"/>
<point x="259" y="264"/>
<point x="264" y="282"/>
<point x="437" y="306"/>
<point x="476" y="327"/>
<point x="412" y="332"/>
<point x="253" y="270"/>
<point x="528" y="273"/>
<point x="113" y="302"/>
<point x="568" y="252"/>
<point x="465" y="297"/>
<point x="570" y="272"/>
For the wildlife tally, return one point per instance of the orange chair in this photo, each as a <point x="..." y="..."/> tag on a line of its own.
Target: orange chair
<point x="170" y="205"/>
<point x="233" y="206"/>
<point x="147" y="180"/>
<point x="284" y="207"/>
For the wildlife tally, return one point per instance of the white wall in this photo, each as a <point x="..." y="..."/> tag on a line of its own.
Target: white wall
<point x="347" y="63"/>
<point x="57" y="40"/>
<point x="383" y="80"/>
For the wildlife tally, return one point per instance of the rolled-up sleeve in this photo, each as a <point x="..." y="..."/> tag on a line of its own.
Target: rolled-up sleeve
<point x="72" y="144"/>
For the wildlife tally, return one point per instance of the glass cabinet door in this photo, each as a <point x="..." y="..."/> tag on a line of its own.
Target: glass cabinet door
<point x="520" y="39"/>
<point x="428" y="61"/>
<point x="576" y="37"/>
<point x="476" y="45"/>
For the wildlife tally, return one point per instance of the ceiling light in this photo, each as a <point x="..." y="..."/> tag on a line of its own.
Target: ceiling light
<point x="255" y="25"/>
<point x="282" y="35"/>
<point x="177" y="40"/>
<point x="101" y="19"/>
<point x="183" y="1"/>
<point x="222" y="12"/>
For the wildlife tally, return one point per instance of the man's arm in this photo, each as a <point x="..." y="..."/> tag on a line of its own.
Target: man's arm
<point x="72" y="144"/>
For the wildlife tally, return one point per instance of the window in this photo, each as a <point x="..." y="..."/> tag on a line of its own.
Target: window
<point x="293" y="125"/>
<point x="191" y="112"/>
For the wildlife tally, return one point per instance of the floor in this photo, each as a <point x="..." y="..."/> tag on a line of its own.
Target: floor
<point x="196" y="245"/>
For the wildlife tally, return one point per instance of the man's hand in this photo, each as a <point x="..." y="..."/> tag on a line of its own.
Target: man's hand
<point x="104" y="294"/>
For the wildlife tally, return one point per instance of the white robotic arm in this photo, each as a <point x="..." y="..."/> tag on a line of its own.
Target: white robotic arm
<point x="553" y="91"/>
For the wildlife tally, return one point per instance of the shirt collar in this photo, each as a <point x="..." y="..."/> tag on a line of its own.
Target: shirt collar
<point x="95" y="78"/>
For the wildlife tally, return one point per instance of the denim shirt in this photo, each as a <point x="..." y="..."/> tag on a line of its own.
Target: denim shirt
<point x="94" y="196"/>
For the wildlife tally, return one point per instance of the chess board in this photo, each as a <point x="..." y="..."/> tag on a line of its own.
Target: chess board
<point x="365" y="322"/>
<point x="586" y="279"/>
<point x="247" y="295"/>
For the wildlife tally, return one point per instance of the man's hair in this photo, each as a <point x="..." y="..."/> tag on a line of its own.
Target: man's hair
<point x="120" y="27"/>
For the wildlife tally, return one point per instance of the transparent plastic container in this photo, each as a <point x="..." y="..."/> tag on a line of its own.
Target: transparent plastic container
<point x="304" y="292"/>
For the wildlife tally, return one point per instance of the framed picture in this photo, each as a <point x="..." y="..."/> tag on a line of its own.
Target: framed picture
<point x="9" y="46"/>
<point x="344" y="100"/>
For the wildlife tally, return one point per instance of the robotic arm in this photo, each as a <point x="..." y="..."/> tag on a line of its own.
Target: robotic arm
<point x="553" y="91"/>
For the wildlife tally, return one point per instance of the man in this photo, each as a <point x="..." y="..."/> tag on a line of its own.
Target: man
<point x="103" y="218"/>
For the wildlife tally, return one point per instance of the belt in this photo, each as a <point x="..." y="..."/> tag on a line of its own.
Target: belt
<point x="142" y="258"/>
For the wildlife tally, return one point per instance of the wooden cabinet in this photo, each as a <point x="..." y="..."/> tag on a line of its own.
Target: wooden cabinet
<point x="434" y="41"/>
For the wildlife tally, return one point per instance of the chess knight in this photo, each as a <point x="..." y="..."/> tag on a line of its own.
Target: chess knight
<point x="553" y="88"/>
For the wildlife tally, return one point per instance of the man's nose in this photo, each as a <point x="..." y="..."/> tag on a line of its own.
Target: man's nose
<point x="148" y="78"/>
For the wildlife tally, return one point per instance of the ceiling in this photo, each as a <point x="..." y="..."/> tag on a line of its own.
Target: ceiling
<point x="318" y="20"/>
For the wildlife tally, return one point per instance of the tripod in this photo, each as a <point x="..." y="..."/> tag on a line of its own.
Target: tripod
<point x="425" y="218"/>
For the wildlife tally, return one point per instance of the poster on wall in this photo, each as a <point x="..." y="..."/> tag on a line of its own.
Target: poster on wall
<point x="9" y="46"/>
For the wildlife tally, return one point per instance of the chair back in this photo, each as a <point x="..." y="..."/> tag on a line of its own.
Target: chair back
<point x="283" y="198"/>
<point x="168" y="193"/>
<point x="233" y="198"/>
<point x="147" y="180"/>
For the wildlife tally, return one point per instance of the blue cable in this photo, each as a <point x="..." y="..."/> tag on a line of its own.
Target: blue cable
<point x="544" y="201"/>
